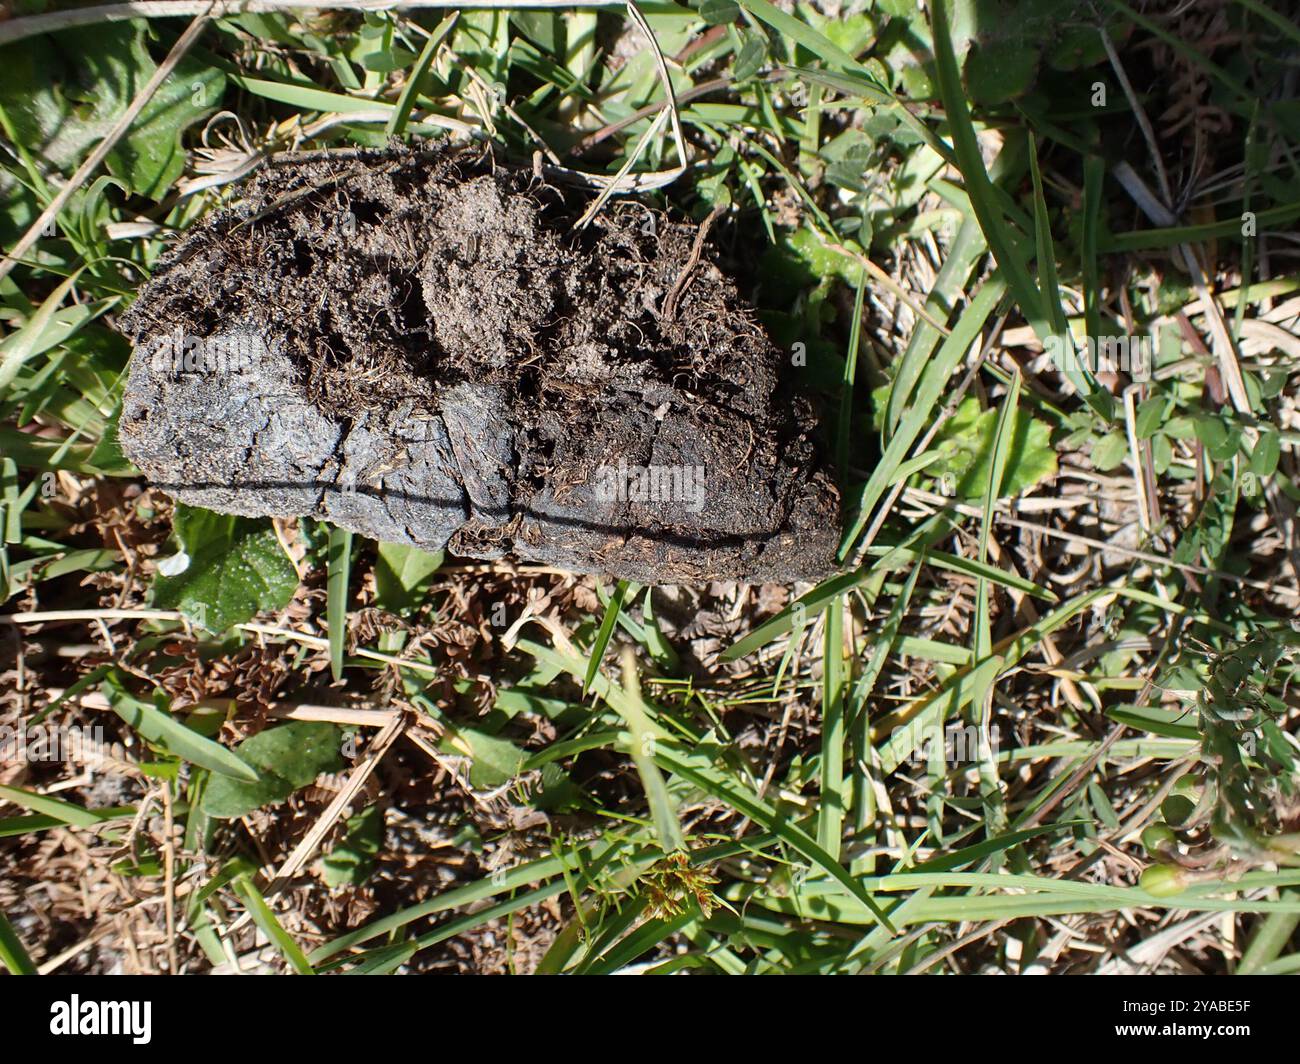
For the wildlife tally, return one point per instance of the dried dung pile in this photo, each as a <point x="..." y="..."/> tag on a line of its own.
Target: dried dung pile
<point x="420" y="347"/>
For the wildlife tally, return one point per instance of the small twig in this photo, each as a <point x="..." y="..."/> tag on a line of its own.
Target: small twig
<point x="611" y="128"/>
<point x="60" y="959"/>
<point x="1144" y="123"/>
<point x="359" y="718"/>
<point x="669" y="312"/>
<point x="52" y="616"/>
<point x="169" y="878"/>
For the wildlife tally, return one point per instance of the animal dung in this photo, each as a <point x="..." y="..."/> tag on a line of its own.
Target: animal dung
<point x="419" y="346"/>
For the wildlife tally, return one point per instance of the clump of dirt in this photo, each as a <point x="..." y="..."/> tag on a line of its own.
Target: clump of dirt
<point x="420" y="347"/>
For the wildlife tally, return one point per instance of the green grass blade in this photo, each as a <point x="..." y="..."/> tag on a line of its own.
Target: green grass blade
<point x="165" y="730"/>
<point x="897" y="557"/>
<point x="271" y="927"/>
<point x="1094" y="173"/>
<point x="26" y="341"/>
<point x="603" y="636"/>
<point x="1268" y="941"/>
<point x="802" y="610"/>
<point x="986" y="676"/>
<point x="339" y="569"/>
<point x="858" y="714"/>
<point x="396" y="126"/>
<point x="663" y="652"/>
<point x="642" y="940"/>
<point x="307" y="98"/>
<point x="1078" y="374"/>
<point x="1003" y="436"/>
<point x="521" y="875"/>
<point x="998" y="230"/>
<point x="954" y="694"/>
<point x="1278" y="22"/>
<point x="844" y="429"/>
<point x="13" y="954"/>
<point x="917" y="418"/>
<point x="855" y="78"/>
<point x="1147" y="239"/>
<point x="663" y="810"/>
<point x="963" y="253"/>
<point x="56" y="808"/>
<point x="25" y="825"/>
<point x="699" y="771"/>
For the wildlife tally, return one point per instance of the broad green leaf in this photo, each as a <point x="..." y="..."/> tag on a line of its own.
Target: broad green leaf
<point x="495" y="761"/>
<point x="966" y="444"/>
<point x="376" y="49"/>
<point x="819" y="260"/>
<point x="232" y="568"/>
<point x="1109" y="451"/>
<point x="284" y="758"/>
<point x="998" y="71"/>
<point x="63" y="93"/>
<point x="1151" y="414"/>
<point x="719" y="12"/>
<point x="1267" y="452"/>
<point x="150" y="157"/>
<point x="750" y="57"/>
<point x="402" y="575"/>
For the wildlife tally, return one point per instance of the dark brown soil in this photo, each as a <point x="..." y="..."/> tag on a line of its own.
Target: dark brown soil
<point x="432" y="354"/>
